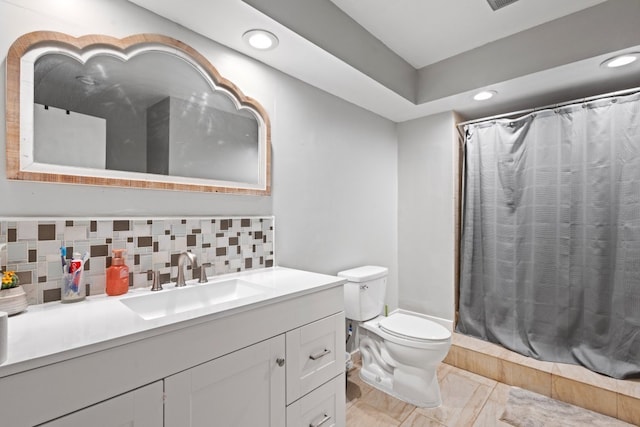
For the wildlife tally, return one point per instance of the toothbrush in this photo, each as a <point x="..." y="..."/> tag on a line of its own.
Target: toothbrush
<point x="75" y="280"/>
<point x="63" y="255"/>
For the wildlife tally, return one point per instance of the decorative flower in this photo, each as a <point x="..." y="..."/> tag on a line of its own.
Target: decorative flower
<point x="9" y="280"/>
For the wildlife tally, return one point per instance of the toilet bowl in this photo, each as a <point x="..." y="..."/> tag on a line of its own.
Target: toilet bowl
<point x="400" y="352"/>
<point x="411" y="348"/>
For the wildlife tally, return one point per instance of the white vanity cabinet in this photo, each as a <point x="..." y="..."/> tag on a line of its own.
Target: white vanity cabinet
<point x="315" y="355"/>
<point x="316" y="374"/>
<point x="247" y="387"/>
<point x="244" y="388"/>
<point x="138" y="408"/>
<point x="324" y="407"/>
<point x="276" y="363"/>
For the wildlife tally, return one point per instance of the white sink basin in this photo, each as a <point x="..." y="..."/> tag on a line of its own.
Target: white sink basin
<point x="194" y="297"/>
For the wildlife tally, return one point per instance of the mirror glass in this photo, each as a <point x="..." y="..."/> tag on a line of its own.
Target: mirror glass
<point x="141" y="113"/>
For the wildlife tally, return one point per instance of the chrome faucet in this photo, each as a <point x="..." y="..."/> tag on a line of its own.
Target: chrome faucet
<point x="180" y="281"/>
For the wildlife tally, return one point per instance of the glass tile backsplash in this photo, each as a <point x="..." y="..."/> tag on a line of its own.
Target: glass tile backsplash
<point x="221" y="244"/>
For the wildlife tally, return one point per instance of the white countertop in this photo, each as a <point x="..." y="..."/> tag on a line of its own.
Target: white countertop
<point x="52" y="332"/>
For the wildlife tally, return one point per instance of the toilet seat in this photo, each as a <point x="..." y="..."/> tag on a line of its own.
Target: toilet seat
<point x="413" y="328"/>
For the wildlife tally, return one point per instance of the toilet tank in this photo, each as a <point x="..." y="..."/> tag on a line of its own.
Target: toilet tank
<point x="364" y="292"/>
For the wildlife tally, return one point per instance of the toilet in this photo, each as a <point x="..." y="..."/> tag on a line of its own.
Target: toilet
<point x="400" y="352"/>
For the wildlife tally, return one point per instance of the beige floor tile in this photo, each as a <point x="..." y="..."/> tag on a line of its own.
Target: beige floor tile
<point x="452" y="356"/>
<point x="490" y="415"/>
<point x="478" y="345"/>
<point x="525" y="377"/>
<point x="492" y="410"/>
<point x="575" y="384"/>
<point x="500" y="393"/>
<point x="355" y="387"/>
<point x="443" y="370"/>
<point x="361" y="414"/>
<point x="584" y="395"/>
<point x="462" y="401"/>
<point x="629" y="387"/>
<point x="468" y="359"/>
<point x="471" y="400"/>
<point x="458" y="338"/>
<point x="357" y="359"/>
<point x="418" y="420"/>
<point x="529" y="362"/>
<point x="583" y="375"/>
<point x="474" y="377"/>
<point x="462" y="340"/>
<point x="629" y="409"/>
<point x="479" y="363"/>
<point x="394" y="408"/>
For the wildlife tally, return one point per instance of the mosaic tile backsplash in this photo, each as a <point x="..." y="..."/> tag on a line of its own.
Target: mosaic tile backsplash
<point x="221" y="244"/>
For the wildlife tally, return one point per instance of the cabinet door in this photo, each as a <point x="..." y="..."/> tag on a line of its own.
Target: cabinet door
<point x="244" y="388"/>
<point x="138" y="408"/>
<point x="323" y="407"/>
<point x="315" y="354"/>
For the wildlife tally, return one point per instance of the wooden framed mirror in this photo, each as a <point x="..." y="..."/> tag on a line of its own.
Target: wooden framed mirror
<point x="146" y="111"/>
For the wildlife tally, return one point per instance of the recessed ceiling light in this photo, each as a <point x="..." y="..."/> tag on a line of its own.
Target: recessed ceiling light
<point x="260" y="39"/>
<point x="484" y="95"/>
<point x="620" y="60"/>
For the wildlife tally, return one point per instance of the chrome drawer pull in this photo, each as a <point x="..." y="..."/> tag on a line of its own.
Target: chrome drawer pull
<point x="319" y="355"/>
<point x="322" y="421"/>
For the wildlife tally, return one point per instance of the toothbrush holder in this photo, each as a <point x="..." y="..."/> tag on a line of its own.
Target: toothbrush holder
<point x="72" y="288"/>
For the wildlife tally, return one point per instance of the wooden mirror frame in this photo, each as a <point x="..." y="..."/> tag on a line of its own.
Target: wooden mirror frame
<point x="39" y="39"/>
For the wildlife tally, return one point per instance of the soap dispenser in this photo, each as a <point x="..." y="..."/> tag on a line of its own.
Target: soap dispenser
<point x="117" y="275"/>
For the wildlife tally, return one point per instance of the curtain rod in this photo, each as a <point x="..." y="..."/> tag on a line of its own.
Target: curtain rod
<point x="550" y="106"/>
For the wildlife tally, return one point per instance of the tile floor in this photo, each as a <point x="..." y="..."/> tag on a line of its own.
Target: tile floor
<point x="468" y="400"/>
<point x="568" y="383"/>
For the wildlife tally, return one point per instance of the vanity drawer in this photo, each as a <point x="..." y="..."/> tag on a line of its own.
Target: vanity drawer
<point x="323" y="407"/>
<point x="315" y="354"/>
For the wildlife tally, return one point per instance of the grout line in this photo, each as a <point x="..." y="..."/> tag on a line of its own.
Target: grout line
<point x="485" y="402"/>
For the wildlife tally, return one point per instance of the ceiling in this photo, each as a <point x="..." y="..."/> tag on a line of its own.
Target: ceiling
<point x="412" y="58"/>
<point x="424" y="32"/>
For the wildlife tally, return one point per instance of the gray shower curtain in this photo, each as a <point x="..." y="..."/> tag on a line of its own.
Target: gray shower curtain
<point x="550" y="249"/>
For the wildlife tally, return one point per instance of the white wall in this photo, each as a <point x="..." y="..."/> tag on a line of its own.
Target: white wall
<point x="427" y="150"/>
<point x="341" y="177"/>
<point x="334" y="164"/>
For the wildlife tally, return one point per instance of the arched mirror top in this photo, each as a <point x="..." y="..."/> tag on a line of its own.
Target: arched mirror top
<point x="144" y="111"/>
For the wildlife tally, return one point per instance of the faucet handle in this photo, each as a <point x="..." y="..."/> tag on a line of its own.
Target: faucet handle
<point x="156" y="285"/>
<point x="203" y="275"/>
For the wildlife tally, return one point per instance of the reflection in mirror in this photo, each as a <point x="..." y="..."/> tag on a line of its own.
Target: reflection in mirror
<point x="98" y="110"/>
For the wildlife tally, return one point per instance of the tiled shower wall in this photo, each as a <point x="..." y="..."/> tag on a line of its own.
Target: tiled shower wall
<point x="222" y="245"/>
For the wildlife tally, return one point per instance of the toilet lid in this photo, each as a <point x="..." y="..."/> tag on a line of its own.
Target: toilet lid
<point x="413" y="327"/>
